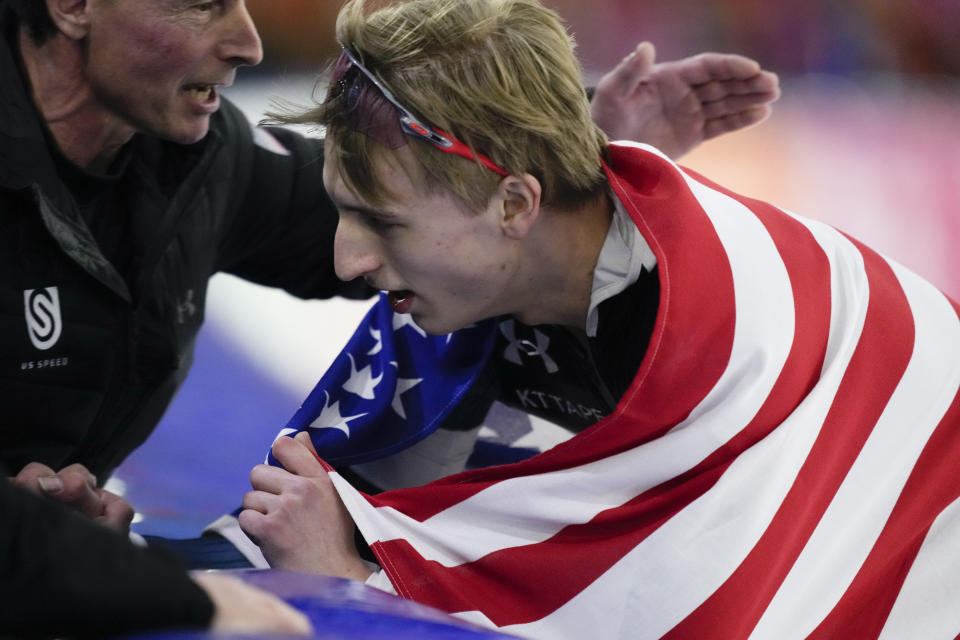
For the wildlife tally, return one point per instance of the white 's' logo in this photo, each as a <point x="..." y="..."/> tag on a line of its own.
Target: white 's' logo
<point x="42" y="308"/>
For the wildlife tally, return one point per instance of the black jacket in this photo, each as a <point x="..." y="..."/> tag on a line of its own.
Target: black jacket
<point x="90" y="356"/>
<point x="574" y="381"/>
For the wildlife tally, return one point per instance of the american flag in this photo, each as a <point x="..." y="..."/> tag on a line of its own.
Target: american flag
<point x="786" y="463"/>
<point x="389" y="388"/>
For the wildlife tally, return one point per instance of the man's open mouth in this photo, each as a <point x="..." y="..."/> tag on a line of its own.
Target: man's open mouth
<point x="201" y="92"/>
<point x="400" y="300"/>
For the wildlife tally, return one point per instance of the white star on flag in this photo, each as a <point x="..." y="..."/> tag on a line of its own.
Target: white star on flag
<point x="362" y="382"/>
<point x="375" y="333"/>
<point x="330" y="417"/>
<point x="403" y="384"/>
<point x="403" y="319"/>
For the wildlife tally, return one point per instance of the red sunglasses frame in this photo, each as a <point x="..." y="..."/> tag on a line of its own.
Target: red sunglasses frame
<point x="416" y="128"/>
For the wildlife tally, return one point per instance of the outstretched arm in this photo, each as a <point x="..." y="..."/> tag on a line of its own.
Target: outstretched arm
<point x="675" y="106"/>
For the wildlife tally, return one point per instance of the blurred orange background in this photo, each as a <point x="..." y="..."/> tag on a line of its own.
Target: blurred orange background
<point x="916" y="37"/>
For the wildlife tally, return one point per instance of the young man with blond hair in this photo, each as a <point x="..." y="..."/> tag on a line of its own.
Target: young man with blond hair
<point x="778" y="445"/>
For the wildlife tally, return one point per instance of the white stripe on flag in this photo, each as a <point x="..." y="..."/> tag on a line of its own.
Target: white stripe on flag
<point x="846" y="274"/>
<point x="836" y="550"/>
<point x="927" y="605"/>
<point x="765" y="316"/>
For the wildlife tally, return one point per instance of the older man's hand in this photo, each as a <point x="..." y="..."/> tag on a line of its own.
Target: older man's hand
<point x="675" y="106"/>
<point x="77" y="488"/>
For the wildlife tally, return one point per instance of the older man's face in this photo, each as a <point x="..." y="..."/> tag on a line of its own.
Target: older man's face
<point x="157" y="64"/>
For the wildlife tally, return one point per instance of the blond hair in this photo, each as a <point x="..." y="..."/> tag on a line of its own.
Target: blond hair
<point x="500" y="75"/>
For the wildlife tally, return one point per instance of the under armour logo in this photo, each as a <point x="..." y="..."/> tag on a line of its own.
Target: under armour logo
<point x="185" y="308"/>
<point x="42" y="309"/>
<point x="538" y="348"/>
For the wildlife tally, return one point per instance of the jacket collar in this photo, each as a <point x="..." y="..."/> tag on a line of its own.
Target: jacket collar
<point x="26" y="163"/>
<point x="624" y="255"/>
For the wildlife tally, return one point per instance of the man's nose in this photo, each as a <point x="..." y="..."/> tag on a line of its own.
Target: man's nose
<point x="355" y="252"/>
<point x="241" y="42"/>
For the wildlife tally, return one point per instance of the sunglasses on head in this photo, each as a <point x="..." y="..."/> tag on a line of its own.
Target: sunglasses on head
<point x="414" y="127"/>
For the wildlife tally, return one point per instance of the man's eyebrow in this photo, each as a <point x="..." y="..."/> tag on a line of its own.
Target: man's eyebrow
<point x="359" y="207"/>
<point x="362" y="208"/>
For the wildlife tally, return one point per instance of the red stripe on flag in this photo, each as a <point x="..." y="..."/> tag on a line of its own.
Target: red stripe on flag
<point x="865" y="390"/>
<point x="933" y="485"/>
<point x="693" y="336"/>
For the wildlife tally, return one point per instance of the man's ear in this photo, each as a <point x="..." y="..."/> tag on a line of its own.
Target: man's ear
<point x="72" y="17"/>
<point x="518" y="198"/>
